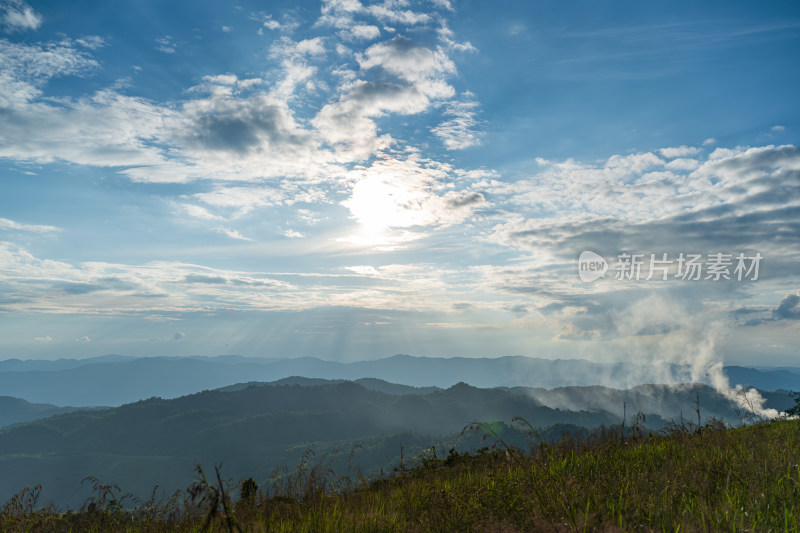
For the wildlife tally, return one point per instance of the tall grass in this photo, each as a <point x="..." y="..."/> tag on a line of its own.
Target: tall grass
<point x="688" y="478"/>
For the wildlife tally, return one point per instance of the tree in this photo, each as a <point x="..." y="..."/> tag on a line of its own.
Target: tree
<point x="795" y="410"/>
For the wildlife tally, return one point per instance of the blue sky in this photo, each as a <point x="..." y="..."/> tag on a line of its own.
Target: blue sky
<point x="351" y="180"/>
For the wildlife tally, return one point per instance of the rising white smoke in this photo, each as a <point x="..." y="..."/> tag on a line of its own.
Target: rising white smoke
<point x="666" y="337"/>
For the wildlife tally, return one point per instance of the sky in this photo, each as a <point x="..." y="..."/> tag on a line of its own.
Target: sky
<point x="350" y="180"/>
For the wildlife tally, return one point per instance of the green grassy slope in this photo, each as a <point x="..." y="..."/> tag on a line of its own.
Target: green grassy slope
<point x="746" y="479"/>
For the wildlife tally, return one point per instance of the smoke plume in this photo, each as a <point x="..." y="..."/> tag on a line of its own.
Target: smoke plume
<point x="668" y="338"/>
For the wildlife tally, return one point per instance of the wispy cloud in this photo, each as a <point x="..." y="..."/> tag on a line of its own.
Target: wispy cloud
<point x="19" y="16"/>
<point x="459" y="131"/>
<point x="233" y="234"/>
<point x="166" y="44"/>
<point x="6" y="224"/>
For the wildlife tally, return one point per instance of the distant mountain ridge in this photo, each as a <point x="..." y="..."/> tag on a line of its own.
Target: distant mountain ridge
<point x="17" y="410"/>
<point x="253" y="428"/>
<point x="115" y="379"/>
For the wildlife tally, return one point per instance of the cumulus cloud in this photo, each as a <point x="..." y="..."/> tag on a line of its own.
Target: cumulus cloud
<point x="640" y="189"/>
<point x="232" y="129"/>
<point x="246" y="131"/>
<point x="239" y="125"/>
<point x="682" y="163"/>
<point x="348" y="124"/>
<point x="679" y="151"/>
<point x="358" y="32"/>
<point x="423" y="67"/>
<point x="403" y="77"/>
<point x="789" y="308"/>
<point x="83" y="339"/>
<point x="741" y="200"/>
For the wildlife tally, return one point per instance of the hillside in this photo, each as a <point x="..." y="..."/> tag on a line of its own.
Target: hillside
<point x="254" y="429"/>
<point x="716" y="479"/>
<point x="250" y="430"/>
<point x="16" y="410"/>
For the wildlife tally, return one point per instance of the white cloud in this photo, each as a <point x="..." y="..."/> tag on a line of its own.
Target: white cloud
<point x="155" y="287"/>
<point x="682" y="164"/>
<point x="272" y="24"/>
<point x="366" y="32"/>
<point x="6" y="224"/>
<point x="416" y="75"/>
<point x="386" y="13"/>
<point x="267" y="21"/>
<point x="363" y="270"/>
<point x="349" y="126"/>
<point x="679" y="151"/>
<point x="163" y="290"/>
<point x="342" y="13"/>
<point x="242" y="199"/>
<point x="640" y="202"/>
<point x="447" y="37"/>
<point x="395" y="193"/>
<point x="196" y="211"/>
<point x="43" y="339"/>
<point x="106" y="129"/>
<point x="19" y="16"/>
<point x="165" y="44"/>
<point x="179" y="335"/>
<point x="228" y="129"/>
<point x="424" y="67"/>
<point x="233" y="234"/>
<point x="459" y="131"/>
<point x="292" y="234"/>
<point x="285" y="47"/>
<point x="83" y="339"/>
<point x="92" y="42"/>
<point x="36" y="63"/>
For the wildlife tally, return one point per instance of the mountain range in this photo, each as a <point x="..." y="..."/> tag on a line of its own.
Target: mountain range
<point x="255" y="428"/>
<point x="115" y="380"/>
